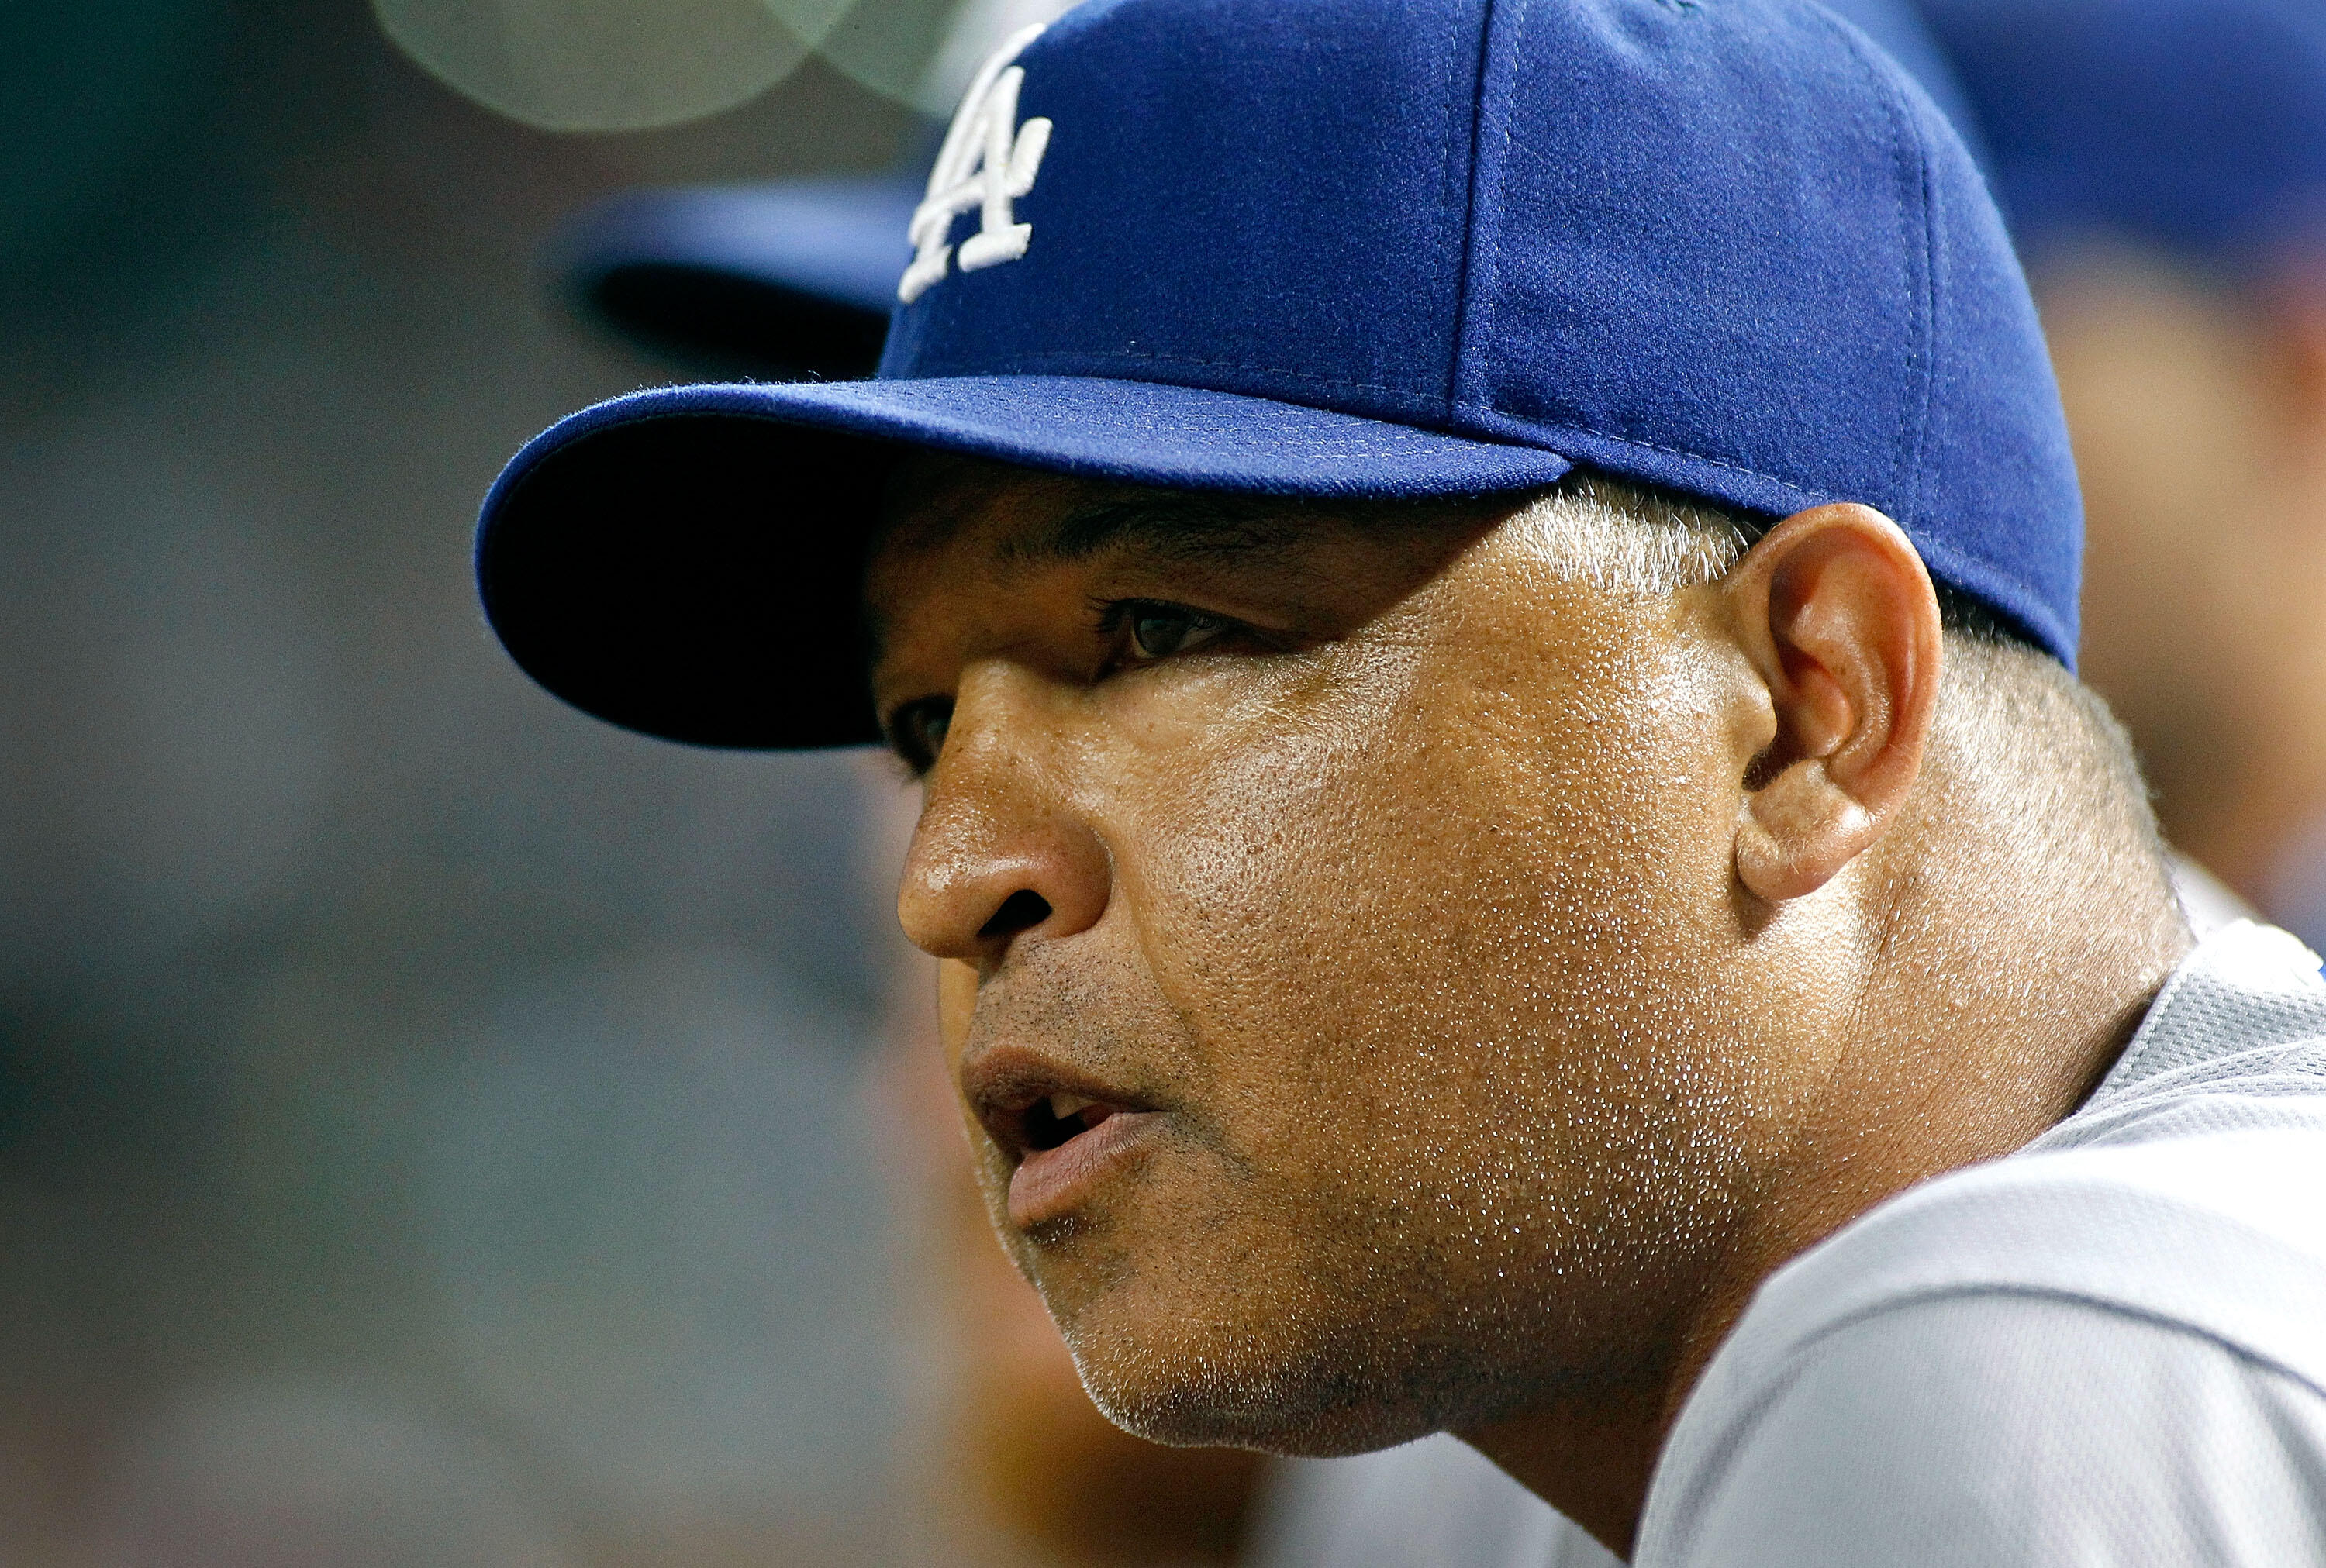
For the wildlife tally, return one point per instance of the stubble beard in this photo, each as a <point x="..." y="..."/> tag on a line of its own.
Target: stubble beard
<point x="1380" y="1341"/>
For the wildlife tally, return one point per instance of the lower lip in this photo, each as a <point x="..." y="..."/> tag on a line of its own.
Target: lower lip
<point x="1052" y="1184"/>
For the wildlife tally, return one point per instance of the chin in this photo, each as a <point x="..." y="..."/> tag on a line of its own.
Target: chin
<point x="1213" y="1407"/>
<point x="1193" y="1379"/>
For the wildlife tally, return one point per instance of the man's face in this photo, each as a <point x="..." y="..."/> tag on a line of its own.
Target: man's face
<point x="1349" y="1013"/>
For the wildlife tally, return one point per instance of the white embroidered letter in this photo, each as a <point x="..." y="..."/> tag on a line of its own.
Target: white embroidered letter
<point x="988" y="161"/>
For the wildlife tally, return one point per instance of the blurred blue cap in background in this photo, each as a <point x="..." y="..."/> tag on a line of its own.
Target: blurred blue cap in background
<point x="2196" y="126"/>
<point x="791" y="277"/>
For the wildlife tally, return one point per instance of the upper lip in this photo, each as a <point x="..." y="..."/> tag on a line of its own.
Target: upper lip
<point x="1004" y="1084"/>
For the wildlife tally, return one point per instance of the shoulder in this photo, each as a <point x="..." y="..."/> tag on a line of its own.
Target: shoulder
<point x="2028" y="1355"/>
<point x="2220" y="1231"/>
<point x="2186" y="1191"/>
<point x="1995" y="1428"/>
<point x="2066" y="1355"/>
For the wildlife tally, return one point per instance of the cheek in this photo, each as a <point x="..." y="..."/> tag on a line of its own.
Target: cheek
<point x="1434" y="938"/>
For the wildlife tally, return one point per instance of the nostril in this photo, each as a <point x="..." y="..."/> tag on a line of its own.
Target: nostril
<point x="1021" y="910"/>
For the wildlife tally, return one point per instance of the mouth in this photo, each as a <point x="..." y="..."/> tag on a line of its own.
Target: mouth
<point x="1049" y="1123"/>
<point x="1062" y="1139"/>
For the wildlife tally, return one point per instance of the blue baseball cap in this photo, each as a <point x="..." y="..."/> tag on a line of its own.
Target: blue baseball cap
<point x="790" y="278"/>
<point x="1340" y="249"/>
<point x="2197" y="125"/>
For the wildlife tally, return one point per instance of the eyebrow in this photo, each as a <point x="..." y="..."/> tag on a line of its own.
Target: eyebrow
<point x="1181" y="527"/>
<point x="1211" y="530"/>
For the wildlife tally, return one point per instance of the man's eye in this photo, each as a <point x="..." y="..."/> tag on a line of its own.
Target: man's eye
<point x="1158" y="631"/>
<point x="919" y="731"/>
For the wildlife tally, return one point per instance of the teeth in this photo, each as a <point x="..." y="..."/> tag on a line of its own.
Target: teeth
<point x="1063" y="1106"/>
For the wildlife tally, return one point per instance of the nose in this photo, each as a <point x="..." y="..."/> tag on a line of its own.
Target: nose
<point x="1001" y="855"/>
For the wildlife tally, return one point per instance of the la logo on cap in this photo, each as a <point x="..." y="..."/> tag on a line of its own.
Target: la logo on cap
<point x="988" y="160"/>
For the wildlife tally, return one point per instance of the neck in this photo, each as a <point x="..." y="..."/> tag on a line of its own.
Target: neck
<point x="2018" y="1047"/>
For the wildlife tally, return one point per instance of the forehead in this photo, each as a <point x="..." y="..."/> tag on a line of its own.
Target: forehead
<point x="956" y="534"/>
<point x="964" y="508"/>
<point x="983" y="515"/>
<point x="978" y="514"/>
<point x="956" y="531"/>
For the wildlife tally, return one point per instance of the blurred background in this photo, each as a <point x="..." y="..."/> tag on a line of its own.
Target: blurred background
<point x="438" y="1128"/>
<point x="434" y="1127"/>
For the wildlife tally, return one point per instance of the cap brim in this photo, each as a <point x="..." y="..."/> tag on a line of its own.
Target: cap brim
<point x="689" y="561"/>
<point x="795" y="276"/>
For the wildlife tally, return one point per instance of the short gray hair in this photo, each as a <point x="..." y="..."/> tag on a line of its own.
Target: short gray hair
<point x="2006" y="707"/>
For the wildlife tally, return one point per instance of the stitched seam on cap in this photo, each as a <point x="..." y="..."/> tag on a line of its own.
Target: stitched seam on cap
<point x="1493" y="307"/>
<point x="1793" y="485"/>
<point x="1423" y="399"/>
<point x="1464" y="407"/>
<point x="1462" y="277"/>
<point x="1502" y="185"/>
<point x="1926" y="187"/>
<point x="1913" y="174"/>
<point x="1931" y="326"/>
<point x="1450" y="276"/>
<point x="1488" y="409"/>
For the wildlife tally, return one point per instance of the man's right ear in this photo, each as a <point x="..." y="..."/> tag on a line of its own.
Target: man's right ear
<point x="1837" y="618"/>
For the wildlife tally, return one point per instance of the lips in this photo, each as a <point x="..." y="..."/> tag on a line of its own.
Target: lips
<point x="1050" y="1185"/>
<point x="1047" y="1123"/>
<point x="1063" y="1133"/>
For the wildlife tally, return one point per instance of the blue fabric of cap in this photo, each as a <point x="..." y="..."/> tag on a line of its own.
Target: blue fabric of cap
<point x="750" y="273"/>
<point x="2196" y="126"/>
<point x="1351" y="247"/>
<point x="1900" y="30"/>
